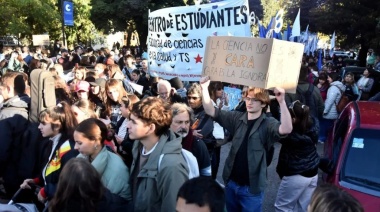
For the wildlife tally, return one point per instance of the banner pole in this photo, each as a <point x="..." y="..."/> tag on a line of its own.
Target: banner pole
<point x="63" y="25"/>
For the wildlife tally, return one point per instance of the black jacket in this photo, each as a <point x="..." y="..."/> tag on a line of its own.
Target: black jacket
<point x="298" y="155"/>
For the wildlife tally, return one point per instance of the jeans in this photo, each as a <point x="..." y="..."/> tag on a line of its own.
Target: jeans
<point x="239" y="198"/>
<point x="294" y="193"/>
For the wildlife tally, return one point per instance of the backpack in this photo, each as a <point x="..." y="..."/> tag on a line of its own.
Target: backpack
<point x="269" y="150"/>
<point x="42" y="92"/>
<point x="307" y="99"/>
<point x="343" y="101"/>
<point x="191" y="161"/>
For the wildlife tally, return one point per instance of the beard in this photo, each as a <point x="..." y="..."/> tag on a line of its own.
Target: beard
<point x="183" y="132"/>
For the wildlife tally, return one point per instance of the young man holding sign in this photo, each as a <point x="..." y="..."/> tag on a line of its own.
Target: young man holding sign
<point x="245" y="169"/>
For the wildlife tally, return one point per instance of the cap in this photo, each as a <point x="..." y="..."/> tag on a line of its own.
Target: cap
<point x="82" y="86"/>
<point x="99" y="82"/>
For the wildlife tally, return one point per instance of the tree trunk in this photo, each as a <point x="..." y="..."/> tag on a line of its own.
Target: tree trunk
<point x="363" y="52"/>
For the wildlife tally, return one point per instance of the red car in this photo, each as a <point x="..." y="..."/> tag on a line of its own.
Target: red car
<point x="354" y="149"/>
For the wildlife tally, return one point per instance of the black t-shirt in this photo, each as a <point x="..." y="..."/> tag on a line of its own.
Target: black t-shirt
<point x="240" y="173"/>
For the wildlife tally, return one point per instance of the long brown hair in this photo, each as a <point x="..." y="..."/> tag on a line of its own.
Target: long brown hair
<point x="61" y="117"/>
<point x="79" y="181"/>
<point x="301" y="116"/>
<point x="113" y="83"/>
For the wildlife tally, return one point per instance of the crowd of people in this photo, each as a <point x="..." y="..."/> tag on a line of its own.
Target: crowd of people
<point x="109" y="145"/>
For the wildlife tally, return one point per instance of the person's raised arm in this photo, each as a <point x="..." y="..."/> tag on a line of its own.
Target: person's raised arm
<point x="286" y="125"/>
<point x="206" y="100"/>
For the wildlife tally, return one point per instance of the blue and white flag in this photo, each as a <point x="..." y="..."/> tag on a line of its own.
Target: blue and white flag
<point x="296" y="31"/>
<point x="332" y="44"/>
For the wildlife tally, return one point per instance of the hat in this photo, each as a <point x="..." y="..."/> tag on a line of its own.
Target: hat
<point x="99" y="82"/>
<point x="82" y="86"/>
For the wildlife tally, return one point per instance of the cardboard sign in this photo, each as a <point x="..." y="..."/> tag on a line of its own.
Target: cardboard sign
<point x="177" y="35"/>
<point x="258" y="62"/>
<point x="41" y="40"/>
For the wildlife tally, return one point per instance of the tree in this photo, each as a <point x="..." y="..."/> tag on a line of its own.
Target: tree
<point x="355" y="21"/>
<point x="305" y="7"/>
<point x="28" y="17"/>
<point x="118" y="15"/>
<point x="83" y="27"/>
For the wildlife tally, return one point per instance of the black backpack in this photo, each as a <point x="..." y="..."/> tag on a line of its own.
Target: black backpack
<point x="307" y="99"/>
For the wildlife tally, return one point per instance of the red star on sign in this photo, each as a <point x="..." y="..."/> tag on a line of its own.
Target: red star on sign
<point x="198" y="59"/>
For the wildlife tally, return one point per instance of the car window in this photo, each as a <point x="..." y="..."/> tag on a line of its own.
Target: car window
<point x="362" y="161"/>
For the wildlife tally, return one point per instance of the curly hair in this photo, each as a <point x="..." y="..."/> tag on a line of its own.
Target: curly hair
<point x="155" y="111"/>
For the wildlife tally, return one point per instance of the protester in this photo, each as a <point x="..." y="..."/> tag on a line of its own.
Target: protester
<point x="89" y="137"/>
<point x="58" y="124"/>
<point x="323" y="85"/>
<point x="328" y="198"/>
<point x="352" y="91"/>
<point x="182" y="119"/>
<point x="80" y="189"/>
<point x="245" y="171"/>
<point x="330" y="112"/>
<point x="13" y="122"/>
<point x="167" y="93"/>
<point x="158" y="169"/>
<point x="98" y="95"/>
<point x="82" y="89"/>
<point x="365" y="84"/>
<point x="83" y="110"/>
<point x="220" y="100"/>
<point x="129" y="66"/>
<point x="200" y="194"/>
<point x="298" y="162"/>
<point x="121" y="133"/>
<point x="115" y="92"/>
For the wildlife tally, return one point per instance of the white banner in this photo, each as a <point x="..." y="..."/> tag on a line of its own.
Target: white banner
<point x="41" y="40"/>
<point x="177" y="36"/>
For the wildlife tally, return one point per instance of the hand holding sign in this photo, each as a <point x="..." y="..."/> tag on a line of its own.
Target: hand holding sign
<point x="280" y="94"/>
<point x="204" y="82"/>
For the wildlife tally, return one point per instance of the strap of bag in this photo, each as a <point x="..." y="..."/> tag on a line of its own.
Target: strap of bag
<point x="341" y="95"/>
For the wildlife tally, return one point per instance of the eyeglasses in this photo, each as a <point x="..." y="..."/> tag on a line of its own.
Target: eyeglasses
<point x="247" y="99"/>
<point x="193" y="97"/>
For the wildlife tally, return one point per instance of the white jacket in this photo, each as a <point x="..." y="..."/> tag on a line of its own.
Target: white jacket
<point x="333" y="97"/>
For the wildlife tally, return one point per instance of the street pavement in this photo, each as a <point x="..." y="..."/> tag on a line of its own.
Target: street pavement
<point x="273" y="181"/>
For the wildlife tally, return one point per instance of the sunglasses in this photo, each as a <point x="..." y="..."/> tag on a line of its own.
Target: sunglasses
<point x="291" y="106"/>
<point x="193" y="97"/>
